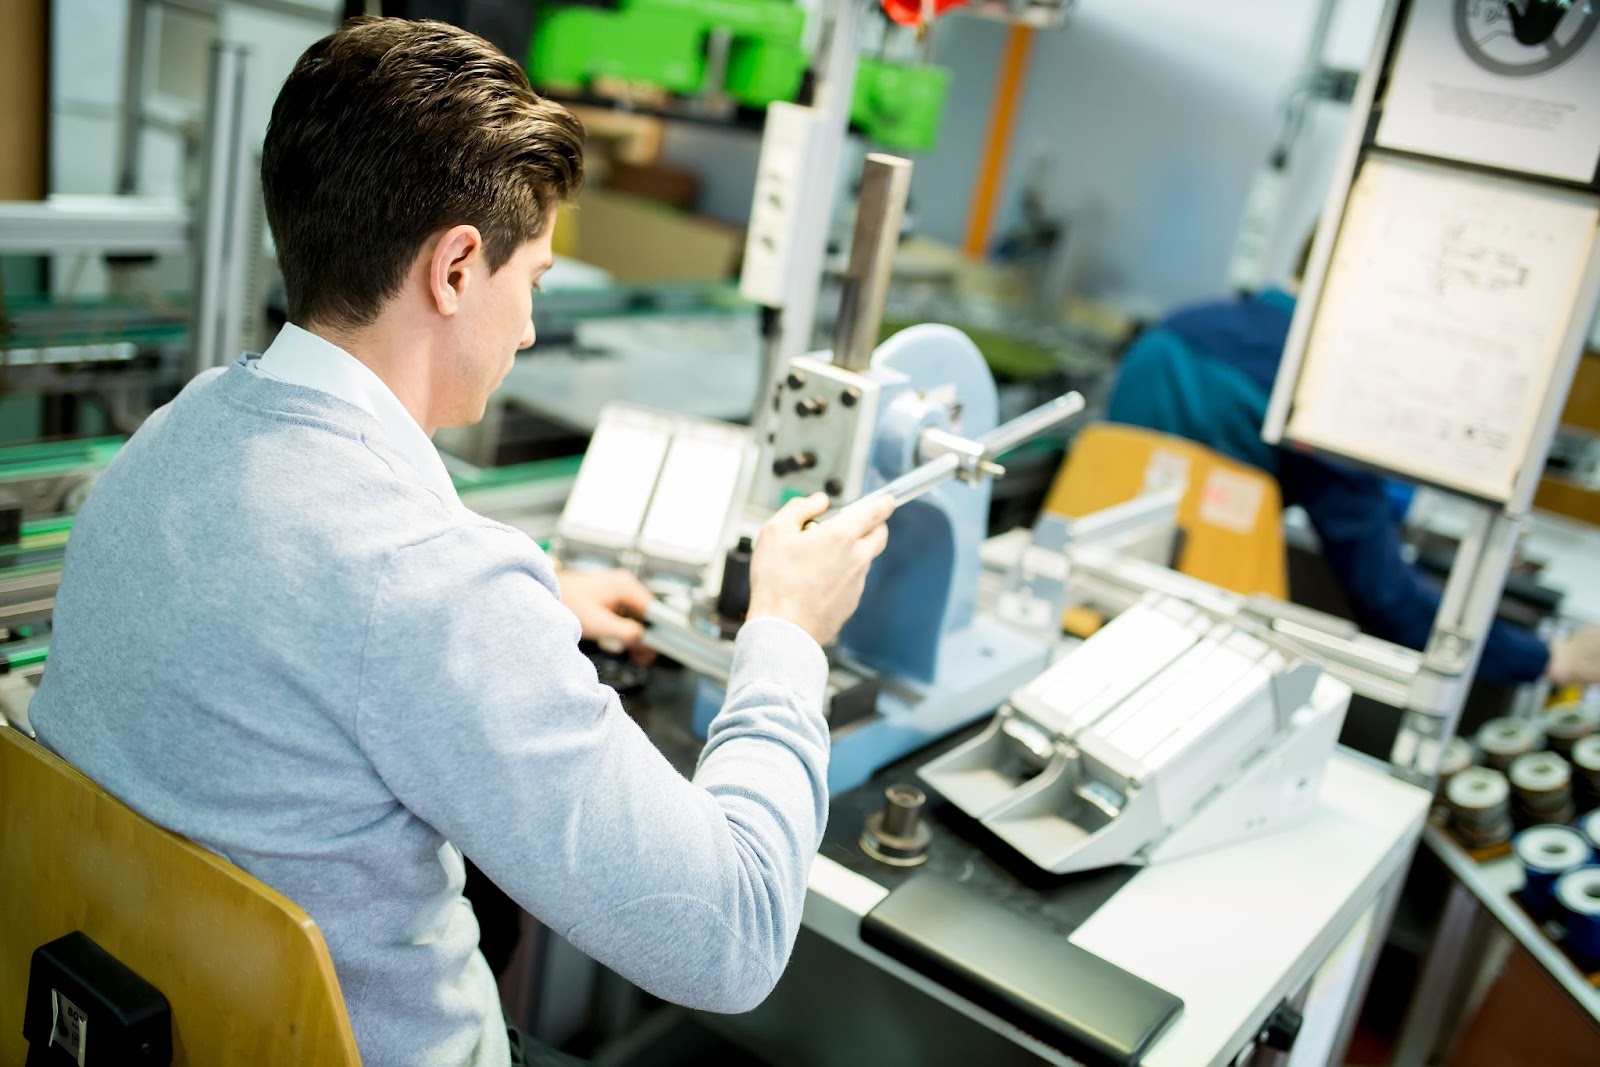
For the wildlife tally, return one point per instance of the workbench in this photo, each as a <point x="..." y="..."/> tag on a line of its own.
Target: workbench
<point x="1235" y="932"/>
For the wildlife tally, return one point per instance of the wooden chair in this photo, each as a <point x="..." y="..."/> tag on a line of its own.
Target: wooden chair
<point x="1231" y="514"/>
<point x="245" y="970"/>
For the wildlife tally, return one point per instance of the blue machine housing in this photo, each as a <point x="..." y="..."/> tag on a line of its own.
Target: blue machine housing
<point x="918" y="625"/>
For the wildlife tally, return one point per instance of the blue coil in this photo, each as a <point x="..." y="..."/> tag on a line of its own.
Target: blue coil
<point x="1578" y="894"/>
<point x="1546" y="853"/>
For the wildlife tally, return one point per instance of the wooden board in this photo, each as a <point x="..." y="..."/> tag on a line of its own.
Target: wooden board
<point x="246" y="971"/>
<point x="22" y="98"/>
<point x="1231" y="514"/>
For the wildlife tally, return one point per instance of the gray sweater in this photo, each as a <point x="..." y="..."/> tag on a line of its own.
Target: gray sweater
<point x="271" y="638"/>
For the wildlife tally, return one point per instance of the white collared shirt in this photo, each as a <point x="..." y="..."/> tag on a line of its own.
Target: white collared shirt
<point x="300" y="357"/>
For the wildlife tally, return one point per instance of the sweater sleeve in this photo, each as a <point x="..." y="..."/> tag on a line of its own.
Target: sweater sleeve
<point x="481" y="715"/>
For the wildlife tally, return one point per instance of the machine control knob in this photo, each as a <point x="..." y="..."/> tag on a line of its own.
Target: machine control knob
<point x="800" y="461"/>
<point x="796" y="380"/>
<point x="850" y="397"/>
<point x="897" y="835"/>
<point x="833" y="487"/>
<point x="1281" y="1028"/>
<point x="810" y="407"/>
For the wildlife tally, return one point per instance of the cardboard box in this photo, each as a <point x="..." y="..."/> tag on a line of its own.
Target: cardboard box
<point x="639" y="240"/>
<point x="23" y="98"/>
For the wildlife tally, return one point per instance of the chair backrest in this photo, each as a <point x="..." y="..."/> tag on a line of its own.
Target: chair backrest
<point x="245" y="970"/>
<point x="1231" y="514"/>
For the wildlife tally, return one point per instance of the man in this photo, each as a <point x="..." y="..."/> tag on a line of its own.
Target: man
<point x="1206" y="373"/>
<point x="280" y="634"/>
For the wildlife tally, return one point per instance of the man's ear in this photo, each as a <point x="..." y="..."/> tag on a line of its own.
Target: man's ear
<point x="457" y="261"/>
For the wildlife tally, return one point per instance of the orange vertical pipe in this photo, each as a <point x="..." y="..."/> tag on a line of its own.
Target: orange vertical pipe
<point x="997" y="146"/>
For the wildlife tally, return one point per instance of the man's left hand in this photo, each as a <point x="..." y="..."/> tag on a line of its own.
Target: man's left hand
<point x="609" y="606"/>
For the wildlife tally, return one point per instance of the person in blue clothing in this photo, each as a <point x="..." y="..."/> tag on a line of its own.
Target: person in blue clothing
<point x="1205" y="373"/>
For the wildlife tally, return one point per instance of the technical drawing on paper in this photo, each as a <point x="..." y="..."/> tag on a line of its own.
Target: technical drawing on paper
<point x="1445" y="307"/>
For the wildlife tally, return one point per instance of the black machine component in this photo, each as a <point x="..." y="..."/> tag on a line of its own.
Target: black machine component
<point x="1281" y="1028"/>
<point x="897" y="835"/>
<point x="10" y="520"/>
<point x="1067" y="997"/>
<point x="733" y="599"/>
<point x="85" y="1008"/>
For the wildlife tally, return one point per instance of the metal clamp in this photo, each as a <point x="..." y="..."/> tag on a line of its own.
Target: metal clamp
<point x="971" y="458"/>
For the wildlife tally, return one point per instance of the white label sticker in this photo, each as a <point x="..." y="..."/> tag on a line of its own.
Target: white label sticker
<point x="69" y="1026"/>
<point x="1164" y="470"/>
<point x="1231" y="501"/>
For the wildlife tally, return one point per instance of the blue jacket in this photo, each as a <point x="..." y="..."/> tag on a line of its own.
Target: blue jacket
<point x="1206" y="374"/>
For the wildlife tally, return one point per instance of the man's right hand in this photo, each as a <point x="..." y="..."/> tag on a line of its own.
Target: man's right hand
<point x="813" y="578"/>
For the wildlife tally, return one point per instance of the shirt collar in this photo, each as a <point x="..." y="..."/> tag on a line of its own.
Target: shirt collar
<point x="300" y="357"/>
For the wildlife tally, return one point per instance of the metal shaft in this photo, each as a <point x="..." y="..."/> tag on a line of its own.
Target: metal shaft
<point x="1031" y="424"/>
<point x="885" y="185"/>
<point x="996" y="442"/>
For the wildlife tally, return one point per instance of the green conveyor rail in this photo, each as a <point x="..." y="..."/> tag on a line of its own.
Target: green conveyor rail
<point x="543" y="470"/>
<point x="27" y="570"/>
<point x="29" y="655"/>
<point x="43" y="531"/>
<point x="41" y="321"/>
<point x="18" y="462"/>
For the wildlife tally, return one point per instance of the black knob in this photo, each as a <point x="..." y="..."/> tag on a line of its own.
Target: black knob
<point x="897" y="835"/>
<point x="833" y="487"/>
<point x="1281" y="1028"/>
<point x="796" y="380"/>
<point x="805" y="461"/>
<point x="733" y="599"/>
<point x="850" y="397"/>
<point x="810" y="407"/>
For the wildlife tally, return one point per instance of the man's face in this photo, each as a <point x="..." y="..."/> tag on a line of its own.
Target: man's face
<point x="496" y="323"/>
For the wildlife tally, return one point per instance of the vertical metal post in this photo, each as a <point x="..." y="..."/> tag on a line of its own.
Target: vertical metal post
<point x="222" y="234"/>
<point x="831" y="101"/>
<point x="132" y="115"/>
<point x="1446" y="978"/>
<point x="885" y="184"/>
<point x="1460" y="629"/>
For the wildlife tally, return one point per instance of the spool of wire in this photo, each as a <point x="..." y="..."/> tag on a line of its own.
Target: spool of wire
<point x="1578" y="894"/>
<point x="1542" y="782"/>
<point x="1586" y="761"/>
<point x="1589" y="827"/>
<point x="1458" y="756"/>
<point x="1565" y="728"/>
<point x="1546" y="853"/>
<point x="1480" y="807"/>
<point x="1503" y="740"/>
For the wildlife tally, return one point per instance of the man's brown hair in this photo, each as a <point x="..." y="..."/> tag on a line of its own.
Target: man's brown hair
<point x="389" y="131"/>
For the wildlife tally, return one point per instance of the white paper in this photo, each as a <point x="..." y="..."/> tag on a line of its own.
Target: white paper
<point x="1464" y="87"/>
<point x="614" y="484"/>
<point x="693" y="498"/>
<point x="1446" y="304"/>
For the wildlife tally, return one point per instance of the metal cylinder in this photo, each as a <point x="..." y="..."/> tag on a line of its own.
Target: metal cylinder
<point x="1542" y="784"/>
<point x="1480" y="807"/>
<point x="1030" y="424"/>
<point x="1565" y="728"/>
<point x="1586" y="771"/>
<point x="897" y="835"/>
<point x="1458" y="756"/>
<point x="1503" y="740"/>
<point x="902" y="809"/>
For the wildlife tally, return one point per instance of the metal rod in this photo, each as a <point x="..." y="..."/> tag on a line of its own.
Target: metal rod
<point x="885" y="185"/>
<point x="1001" y="439"/>
<point x="1024" y="427"/>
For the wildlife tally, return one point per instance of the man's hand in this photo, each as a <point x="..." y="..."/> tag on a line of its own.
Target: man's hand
<point x="1575" y="659"/>
<point x="609" y="606"/>
<point x="814" y="577"/>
